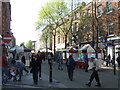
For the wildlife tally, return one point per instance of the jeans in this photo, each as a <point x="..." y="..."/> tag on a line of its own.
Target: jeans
<point x="60" y="65"/>
<point x="5" y="74"/>
<point x="70" y="73"/>
<point x="20" y="73"/>
<point x="35" y="75"/>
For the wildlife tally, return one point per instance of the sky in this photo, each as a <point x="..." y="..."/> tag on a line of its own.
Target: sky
<point x="24" y="14"/>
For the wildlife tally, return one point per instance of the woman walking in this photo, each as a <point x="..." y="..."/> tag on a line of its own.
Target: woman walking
<point x="70" y="63"/>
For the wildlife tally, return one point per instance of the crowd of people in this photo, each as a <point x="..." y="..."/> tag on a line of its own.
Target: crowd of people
<point x="15" y="70"/>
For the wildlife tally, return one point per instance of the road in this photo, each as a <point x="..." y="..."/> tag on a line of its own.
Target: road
<point x="60" y="78"/>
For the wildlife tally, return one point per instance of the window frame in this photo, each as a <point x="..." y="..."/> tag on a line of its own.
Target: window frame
<point x="100" y="29"/>
<point x="109" y="6"/>
<point x="110" y="25"/>
<point x="99" y="10"/>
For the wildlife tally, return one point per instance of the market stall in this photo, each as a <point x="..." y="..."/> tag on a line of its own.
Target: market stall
<point x="90" y="52"/>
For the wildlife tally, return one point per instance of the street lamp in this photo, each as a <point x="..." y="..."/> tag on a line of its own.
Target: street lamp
<point x="34" y="44"/>
<point x="114" y="56"/>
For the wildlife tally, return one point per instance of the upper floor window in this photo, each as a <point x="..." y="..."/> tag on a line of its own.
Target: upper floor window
<point x="110" y="28"/>
<point x="99" y="9"/>
<point x="77" y="27"/>
<point x="100" y="30"/>
<point x="88" y="12"/>
<point x="119" y="22"/>
<point x="58" y="39"/>
<point x="109" y="6"/>
<point x="118" y="3"/>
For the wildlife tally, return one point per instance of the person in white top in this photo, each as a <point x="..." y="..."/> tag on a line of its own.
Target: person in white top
<point x="95" y="73"/>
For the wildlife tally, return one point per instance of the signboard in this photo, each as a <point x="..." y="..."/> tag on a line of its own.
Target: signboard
<point x="7" y="38"/>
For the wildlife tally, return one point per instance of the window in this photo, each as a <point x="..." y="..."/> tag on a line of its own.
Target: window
<point x="72" y="28"/>
<point x="118" y="3"/>
<point x="88" y="27"/>
<point x="99" y="10"/>
<point x="77" y="27"/>
<point x="88" y="11"/>
<point x="110" y="28"/>
<point x="109" y="6"/>
<point x="58" y="39"/>
<point x="119" y="22"/>
<point x="100" y="30"/>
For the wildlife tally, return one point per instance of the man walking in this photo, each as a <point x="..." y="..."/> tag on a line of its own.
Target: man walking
<point x="94" y="74"/>
<point x="39" y="58"/>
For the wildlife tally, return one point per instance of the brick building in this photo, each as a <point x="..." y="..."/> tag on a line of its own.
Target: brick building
<point x="5" y="20"/>
<point x="104" y="18"/>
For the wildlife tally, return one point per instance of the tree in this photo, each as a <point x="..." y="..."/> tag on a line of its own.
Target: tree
<point x="23" y="43"/>
<point x="51" y="16"/>
<point x="29" y="44"/>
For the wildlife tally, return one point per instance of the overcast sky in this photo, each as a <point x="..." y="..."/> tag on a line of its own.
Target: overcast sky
<point x="24" y="13"/>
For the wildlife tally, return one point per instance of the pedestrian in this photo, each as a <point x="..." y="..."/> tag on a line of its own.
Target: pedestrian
<point x="20" y="66"/>
<point x="118" y="60"/>
<point x="34" y="69"/>
<point x="70" y="63"/>
<point x="4" y="60"/>
<point x="49" y="57"/>
<point x="43" y="56"/>
<point x="108" y="58"/>
<point x="24" y="61"/>
<point x="94" y="74"/>
<point x="39" y="58"/>
<point x="86" y="62"/>
<point x="60" y="59"/>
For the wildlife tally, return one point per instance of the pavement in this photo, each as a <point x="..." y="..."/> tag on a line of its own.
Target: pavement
<point x="60" y="78"/>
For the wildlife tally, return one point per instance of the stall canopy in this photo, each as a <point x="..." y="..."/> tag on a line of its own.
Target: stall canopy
<point x="87" y="48"/>
<point x="25" y="49"/>
<point x="71" y="50"/>
<point x="17" y="49"/>
<point x="44" y="50"/>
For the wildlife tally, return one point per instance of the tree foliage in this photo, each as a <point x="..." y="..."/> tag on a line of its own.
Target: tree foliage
<point x="29" y="44"/>
<point x="23" y="43"/>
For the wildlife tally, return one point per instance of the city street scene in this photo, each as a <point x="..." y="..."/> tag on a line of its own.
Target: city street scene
<point x="60" y="44"/>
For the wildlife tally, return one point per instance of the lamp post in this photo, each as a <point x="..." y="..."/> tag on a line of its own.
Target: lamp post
<point x="114" y="56"/>
<point x="34" y="44"/>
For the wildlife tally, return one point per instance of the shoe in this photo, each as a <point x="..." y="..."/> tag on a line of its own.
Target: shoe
<point x="40" y="78"/>
<point x="4" y="84"/>
<point x="98" y="85"/>
<point x="35" y="83"/>
<point x="88" y="84"/>
<point x="19" y="80"/>
<point x="71" y="79"/>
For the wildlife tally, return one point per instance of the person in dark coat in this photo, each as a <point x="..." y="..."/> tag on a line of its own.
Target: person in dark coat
<point x="118" y="60"/>
<point x="39" y="58"/>
<point x="86" y="62"/>
<point x="70" y="63"/>
<point x="34" y="69"/>
<point x="108" y="60"/>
